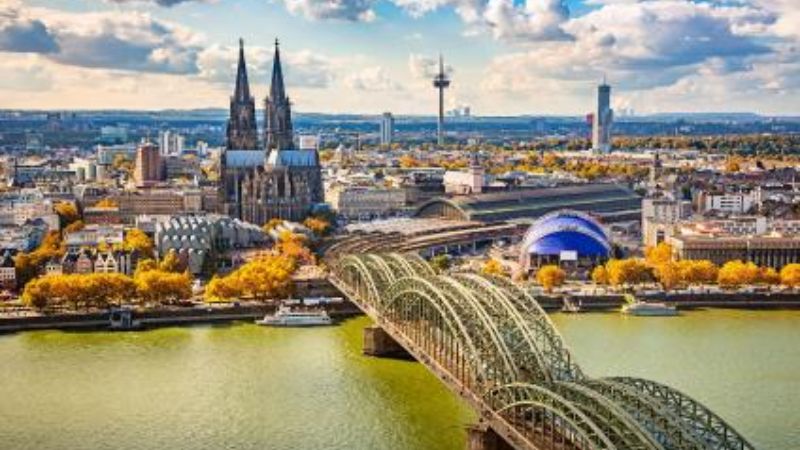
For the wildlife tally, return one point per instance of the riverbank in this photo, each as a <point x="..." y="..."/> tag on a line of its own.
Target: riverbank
<point x="151" y="318"/>
<point x="172" y="316"/>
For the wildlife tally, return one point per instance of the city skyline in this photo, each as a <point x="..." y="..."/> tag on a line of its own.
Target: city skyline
<point x="364" y="56"/>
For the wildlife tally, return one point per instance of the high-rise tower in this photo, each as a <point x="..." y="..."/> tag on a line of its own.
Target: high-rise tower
<point x="387" y="128"/>
<point x="277" y="110"/>
<point x="242" y="131"/>
<point x="602" y="120"/>
<point x="441" y="82"/>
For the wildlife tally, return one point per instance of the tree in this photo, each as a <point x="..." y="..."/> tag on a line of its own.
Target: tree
<point x="698" y="271"/>
<point x="67" y="213"/>
<point x="106" y="203"/>
<point x="318" y="225"/>
<point x="736" y="273"/>
<point x="790" y="275"/>
<point x="171" y="263"/>
<point x="264" y="278"/>
<point x="660" y="254"/>
<point x="146" y="264"/>
<point x="550" y="277"/>
<point x="157" y="286"/>
<point x="440" y="263"/>
<point x="78" y="225"/>
<point x="668" y="275"/>
<point x="272" y="224"/>
<point x="136" y="240"/>
<point x="294" y="246"/>
<point x="600" y="275"/>
<point x="627" y="271"/>
<point x="768" y="276"/>
<point x="493" y="267"/>
<point x="28" y="265"/>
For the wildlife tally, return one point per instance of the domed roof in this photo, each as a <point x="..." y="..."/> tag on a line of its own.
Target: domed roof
<point x="566" y="231"/>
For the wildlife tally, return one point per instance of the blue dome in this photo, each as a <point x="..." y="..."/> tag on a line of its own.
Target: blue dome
<point x="564" y="231"/>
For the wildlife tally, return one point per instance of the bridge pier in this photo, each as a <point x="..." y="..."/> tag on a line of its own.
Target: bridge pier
<point x="377" y="342"/>
<point x="481" y="437"/>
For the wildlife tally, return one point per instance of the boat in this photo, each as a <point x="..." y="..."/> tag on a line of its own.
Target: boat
<point x="649" y="309"/>
<point x="286" y="317"/>
<point x="570" y="307"/>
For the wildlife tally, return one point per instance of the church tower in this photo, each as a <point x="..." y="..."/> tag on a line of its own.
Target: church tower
<point x="277" y="110"/>
<point x="242" y="131"/>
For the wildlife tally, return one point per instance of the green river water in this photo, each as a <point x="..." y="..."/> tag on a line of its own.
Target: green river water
<point x="242" y="386"/>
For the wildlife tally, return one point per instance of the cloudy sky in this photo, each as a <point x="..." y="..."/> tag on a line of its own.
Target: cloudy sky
<point x="506" y="56"/>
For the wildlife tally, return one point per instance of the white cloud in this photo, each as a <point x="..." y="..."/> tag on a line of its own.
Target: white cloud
<point x="347" y="10"/>
<point x="372" y="79"/>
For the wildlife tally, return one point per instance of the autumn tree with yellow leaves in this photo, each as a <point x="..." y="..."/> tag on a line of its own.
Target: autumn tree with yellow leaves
<point x="550" y="277"/>
<point x="494" y="267"/>
<point x="790" y="275"/>
<point x="98" y="290"/>
<point x="137" y="240"/>
<point x="265" y="278"/>
<point x="318" y="225"/>
<point x="736" y="273"/>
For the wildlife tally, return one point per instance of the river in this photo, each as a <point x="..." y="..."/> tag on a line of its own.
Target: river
<point x="241" y="386"/>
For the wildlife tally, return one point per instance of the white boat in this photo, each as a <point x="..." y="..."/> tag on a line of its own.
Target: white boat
<point x="570" y="307"/>
<point x="285" y="317"/>
<point x="649" y="309"/>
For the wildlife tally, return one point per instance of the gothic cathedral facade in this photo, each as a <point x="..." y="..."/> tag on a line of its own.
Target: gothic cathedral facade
<point x="274" y="180"/>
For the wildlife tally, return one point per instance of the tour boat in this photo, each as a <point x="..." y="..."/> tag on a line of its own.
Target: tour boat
<point x="570" y="307"/>
<point x="285" y="317"/>
<point x="649" y="309"/>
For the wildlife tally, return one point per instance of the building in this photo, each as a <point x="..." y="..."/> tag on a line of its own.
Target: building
<point x="728" y="202"/>
<point x="364" y="203"/>
<point x="387" y="129"/>
<point x="278" y="181"/>
<point x="149" y="168"/>
<point x="466" y="182"/>
<point x="567" y="238"/>
<point x="94" y="235"/>
<point x="170" y="143"/>
<point x="8" y="272"/>
<point x="603" y="118"/>
<point x="611" y="202"/>
<point x="198" y="240"/>
<point x="772" y="251"/>
<point x="661" y="216"/>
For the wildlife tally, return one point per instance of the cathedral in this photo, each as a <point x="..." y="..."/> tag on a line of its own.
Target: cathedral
<point x="271" y="179"/>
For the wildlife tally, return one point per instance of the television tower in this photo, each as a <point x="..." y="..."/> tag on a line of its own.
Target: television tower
<point x="441" y="82"/>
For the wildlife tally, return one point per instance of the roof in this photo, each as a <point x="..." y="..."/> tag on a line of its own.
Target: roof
<point x="292" y="158"/>
<point x="600" y="198"/>
<point x="244" y="158"/>
<point x="566" y="231"/>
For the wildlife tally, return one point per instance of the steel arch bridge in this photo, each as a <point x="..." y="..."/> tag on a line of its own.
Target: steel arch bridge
<point x="492" y="344"/>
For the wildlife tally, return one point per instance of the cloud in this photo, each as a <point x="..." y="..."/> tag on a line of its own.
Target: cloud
<point x="424" y="67"/>
<point x="372" y="79"/>
<point x="535" y="20"/>
<point x="130" y="41"/>
<point x="24" y="35"/>
<point x="346" y="10"/>
<point x="638" y="45"/>
<point x="164" y="3"/>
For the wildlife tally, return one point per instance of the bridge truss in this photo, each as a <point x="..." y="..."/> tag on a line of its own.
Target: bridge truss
<point x="491" y="343"/>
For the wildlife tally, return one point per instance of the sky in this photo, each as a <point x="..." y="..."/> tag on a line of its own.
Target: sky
<point x="505" y="57"/>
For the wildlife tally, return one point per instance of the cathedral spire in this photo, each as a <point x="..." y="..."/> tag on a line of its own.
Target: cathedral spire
<point x="278" y="132"/>
<point x="277" y="91"/>
<point x="242" y="90"/>
<point x="242" y="130"/>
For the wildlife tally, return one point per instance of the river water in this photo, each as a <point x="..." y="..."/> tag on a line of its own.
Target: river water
<point x="247" y="387"/>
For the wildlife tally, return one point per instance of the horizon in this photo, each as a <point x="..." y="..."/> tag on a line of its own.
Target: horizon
<point x="506" y="57"/>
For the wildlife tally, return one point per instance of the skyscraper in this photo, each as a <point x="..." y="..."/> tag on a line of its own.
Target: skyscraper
<point x="149" y="165"/>
<point x="602" y="120"/>
<point x="387" y="128"/>
<point x="441" y="82"/>
<point x="277" y="110"/>
<point x="242" y="131"/>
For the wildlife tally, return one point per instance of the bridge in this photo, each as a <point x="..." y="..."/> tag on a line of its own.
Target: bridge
<point x="493" y="345"/>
